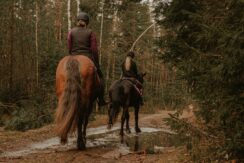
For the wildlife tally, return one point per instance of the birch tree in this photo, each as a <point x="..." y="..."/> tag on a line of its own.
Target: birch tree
<point x="101" y="30"/>
<point x="69" y="14"/>
<point x="78" y="6"/>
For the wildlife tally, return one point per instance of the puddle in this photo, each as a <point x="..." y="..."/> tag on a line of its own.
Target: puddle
<point x="102" y="137"/>
<point x="152" y="142"/>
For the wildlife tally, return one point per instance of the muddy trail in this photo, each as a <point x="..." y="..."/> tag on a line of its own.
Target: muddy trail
<point x="156" y="143"/>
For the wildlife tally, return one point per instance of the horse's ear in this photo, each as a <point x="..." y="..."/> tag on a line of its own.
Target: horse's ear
<point x="144" y="74"/>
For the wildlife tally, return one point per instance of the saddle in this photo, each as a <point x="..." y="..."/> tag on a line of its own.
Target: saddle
<point x="137" y="85"/>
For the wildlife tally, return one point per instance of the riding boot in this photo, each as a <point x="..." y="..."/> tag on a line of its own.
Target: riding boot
<point x="140" y="96"/>
<point x="141" y="101"/>
<point x="101" y="101"/>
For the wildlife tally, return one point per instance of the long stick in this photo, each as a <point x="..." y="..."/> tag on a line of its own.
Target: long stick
<point x="133" y="45"/>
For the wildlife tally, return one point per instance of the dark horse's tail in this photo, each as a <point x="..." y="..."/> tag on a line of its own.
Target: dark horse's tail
<point x="115" y="109"/>
<point x="68" y="108"/>
<point x="115" y="94"/>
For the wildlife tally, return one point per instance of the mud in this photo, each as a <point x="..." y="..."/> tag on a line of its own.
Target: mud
<point x="101" y="137"/>
<point x="156" y="143"/>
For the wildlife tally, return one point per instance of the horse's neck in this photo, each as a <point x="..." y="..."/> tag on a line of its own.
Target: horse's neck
<point x="126" y="81"/>
<point x="128" y="63"/>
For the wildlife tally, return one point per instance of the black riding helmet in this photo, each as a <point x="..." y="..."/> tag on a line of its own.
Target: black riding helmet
<point x="131" y="54"/>
<point x="83" y="16"/>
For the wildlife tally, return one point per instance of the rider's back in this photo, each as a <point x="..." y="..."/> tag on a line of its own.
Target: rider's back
<point x="129" y="68"/>
<point x="80" y="40"/>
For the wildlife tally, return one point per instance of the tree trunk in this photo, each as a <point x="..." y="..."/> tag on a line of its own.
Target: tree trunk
<point x="37" y="48"/>
<point x="58" y="21"/>
<point x="78" y="6"/>
<point x="101" y="32"/>
<point x="107" y="72"/>
<point x="11" y="51"/>
<point x="114" y="42"/>
<point x="69" y="15"/>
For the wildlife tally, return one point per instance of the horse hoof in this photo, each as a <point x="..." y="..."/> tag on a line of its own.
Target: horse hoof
<point x="63" y="141"/>
<point x="121" y="134"/>
<point x="109" y="126"/>
<point x="84" y="140"/>
<point x="138" y="130"/>
<point x="128" y="131"/>
<point x="122" y="141"/>
<point x="81" y="147"/>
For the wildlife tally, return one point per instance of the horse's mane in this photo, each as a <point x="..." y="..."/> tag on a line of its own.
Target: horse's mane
<point x="128" y="63"/>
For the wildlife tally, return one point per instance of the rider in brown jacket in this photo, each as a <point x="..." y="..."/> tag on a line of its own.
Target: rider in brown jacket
<point x="82" y="41"/>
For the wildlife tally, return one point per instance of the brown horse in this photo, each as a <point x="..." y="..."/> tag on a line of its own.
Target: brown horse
<point x="77" y="86"/>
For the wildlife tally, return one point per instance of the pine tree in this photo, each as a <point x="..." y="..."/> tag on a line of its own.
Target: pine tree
<point x="204" y="41"/>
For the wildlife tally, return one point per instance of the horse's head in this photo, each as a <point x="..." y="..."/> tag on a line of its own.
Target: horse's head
<point x="141" y="77"/>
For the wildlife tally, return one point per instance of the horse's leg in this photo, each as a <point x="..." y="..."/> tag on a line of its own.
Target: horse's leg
<point x="110" y="117"/>
<point x="86" y="118"/>
<point x="80" y="141"/>
<point x="84" y="129"/>
<point x="127" y="116"/>
<point x="137" y="129"/>
<point x="122" y="124"/>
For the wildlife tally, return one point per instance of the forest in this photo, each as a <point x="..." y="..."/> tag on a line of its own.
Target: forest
<point x="192" y="52"/>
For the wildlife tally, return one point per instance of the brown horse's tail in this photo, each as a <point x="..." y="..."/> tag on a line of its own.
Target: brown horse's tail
<point x="68" y="108"/>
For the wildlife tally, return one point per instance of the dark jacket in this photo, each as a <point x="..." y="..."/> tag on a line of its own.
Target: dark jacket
<point x="83" y="41"/>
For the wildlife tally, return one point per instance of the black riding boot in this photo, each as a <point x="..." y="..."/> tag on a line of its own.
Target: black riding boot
<point x="141" y="101"/>
<point x="101" y="101"/>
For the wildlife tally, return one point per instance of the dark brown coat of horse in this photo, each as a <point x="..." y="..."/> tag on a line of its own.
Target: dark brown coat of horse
<point x="77" y="86"/>
<point x="123" y="94"/>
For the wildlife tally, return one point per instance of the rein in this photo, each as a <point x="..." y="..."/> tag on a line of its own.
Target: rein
<point x="131" y="80"/>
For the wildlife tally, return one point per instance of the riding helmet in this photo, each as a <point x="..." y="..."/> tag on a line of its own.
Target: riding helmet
<point x="83" y="16"/>
<point x="131" y="54"/>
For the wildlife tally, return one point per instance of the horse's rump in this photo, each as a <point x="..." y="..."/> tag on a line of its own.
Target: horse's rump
<point x="75" y="81"/>
<point x="70" y="100"/>
<point x="120" y="92"/>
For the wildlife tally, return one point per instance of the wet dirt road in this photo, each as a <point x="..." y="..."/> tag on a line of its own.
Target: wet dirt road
<point x="156" y="143"/>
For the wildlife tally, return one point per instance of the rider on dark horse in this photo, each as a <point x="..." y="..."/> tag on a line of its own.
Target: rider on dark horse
<point x="82" y="41"/>
<point x="130" y="72"/>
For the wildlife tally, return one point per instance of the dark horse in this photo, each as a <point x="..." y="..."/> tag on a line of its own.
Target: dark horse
<point x="122" y="93"/>
<point x="77" y="86"/>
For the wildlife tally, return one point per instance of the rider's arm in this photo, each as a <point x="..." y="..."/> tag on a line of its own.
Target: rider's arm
<point x="94" y="50"/>
<point x="135" y="69"/>
<point x="69" y="42"/>
<point x="122" y="68"/>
